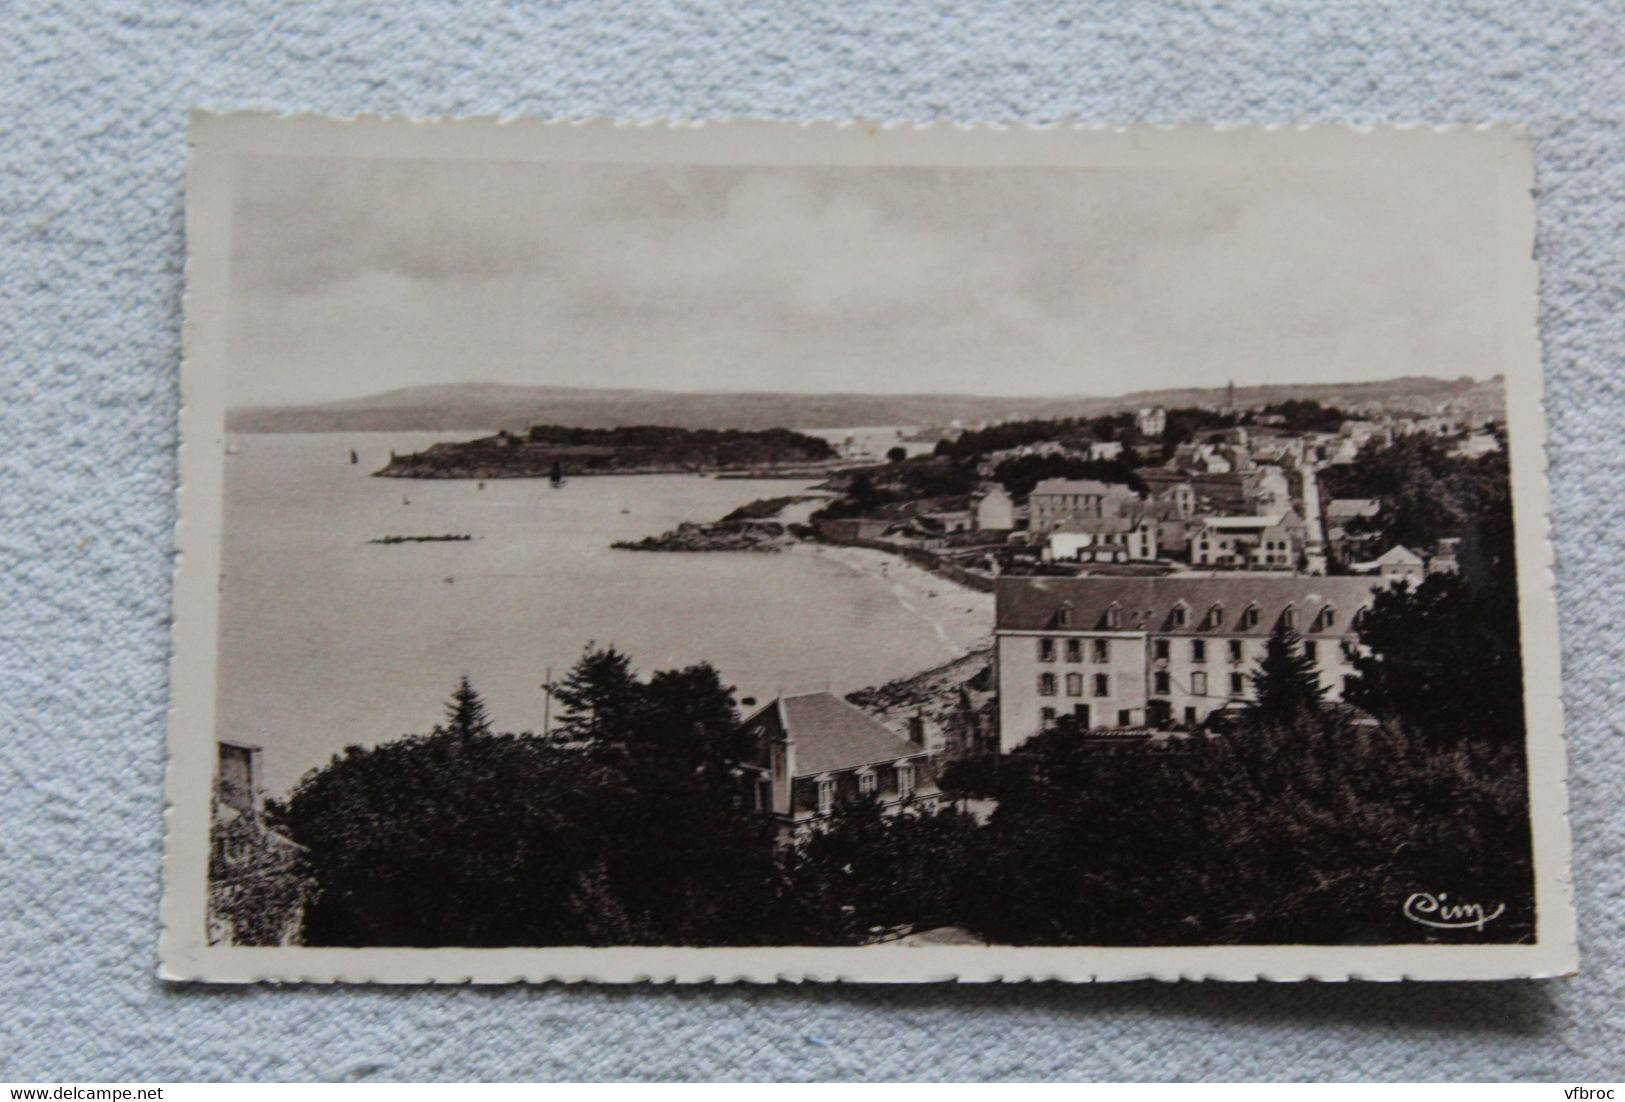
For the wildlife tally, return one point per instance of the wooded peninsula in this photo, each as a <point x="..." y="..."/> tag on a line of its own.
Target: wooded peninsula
<point x="561" y="451"/>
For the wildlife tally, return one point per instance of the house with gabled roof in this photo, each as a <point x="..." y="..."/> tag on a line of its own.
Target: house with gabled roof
<point x="1272" y="542"/>
<point x="811" y="751"/>
<point x="1159" y="652"/>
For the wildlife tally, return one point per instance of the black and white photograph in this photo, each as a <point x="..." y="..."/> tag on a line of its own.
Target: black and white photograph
<point x="751" y="551"/>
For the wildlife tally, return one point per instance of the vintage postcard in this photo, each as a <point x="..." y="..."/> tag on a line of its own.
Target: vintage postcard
<point x="839" y="552"/>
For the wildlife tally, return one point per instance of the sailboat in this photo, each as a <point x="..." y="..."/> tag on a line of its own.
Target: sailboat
<point x="557" y="477"/>
<point x="354" y="458"/>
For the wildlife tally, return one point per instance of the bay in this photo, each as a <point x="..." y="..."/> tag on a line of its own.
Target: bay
<point x="327" y="639"/>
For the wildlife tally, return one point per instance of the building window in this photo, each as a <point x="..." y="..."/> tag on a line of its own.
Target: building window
<point x="1323" y="622"/>
<point x="1074" y="684"/>
<point x="1289" y="617"/>
<point x="1190" y="716"/>
<point x="1046" y="650"/>
<point x="1074" y="650"/>
<point x="1249" y="618"/>
<point x="826" y="797"/>
<point x="1198" y="650"/>
<point x="1103" y="685"/>
<point x="867" y="783"/>
<point x="1238" y="686"/>
<point x="1159" y="683"/>
<point x="1046" y="684"/>
<point x="905" y="781"/>
<point x="1103" y="650"/>
<point x="1124" y="717"/>
<point x="1310" y="650"/>
<point x="1235" y="650"/>
<point x="1046" y="718"/>
<point x="1215" y="616"/>
<point x="1063" y="615"/>
<point x="1160" y="648"/>
<point x="1179" y="616"/>
<point x="1114" y="617"/>
<point x="1198" y="683"/>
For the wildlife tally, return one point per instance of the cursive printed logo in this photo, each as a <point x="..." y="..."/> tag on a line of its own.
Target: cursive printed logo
<point x="1437" y="911"/>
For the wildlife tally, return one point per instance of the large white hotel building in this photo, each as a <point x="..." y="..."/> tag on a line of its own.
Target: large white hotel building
<point x="1162" y="651"/>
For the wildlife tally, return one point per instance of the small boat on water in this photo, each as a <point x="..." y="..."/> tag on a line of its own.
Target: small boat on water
<point x="354" y="458"/>
<point x="557" y="477"/>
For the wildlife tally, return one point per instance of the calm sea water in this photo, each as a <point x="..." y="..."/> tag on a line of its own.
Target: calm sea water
<point x="328" y="640"/>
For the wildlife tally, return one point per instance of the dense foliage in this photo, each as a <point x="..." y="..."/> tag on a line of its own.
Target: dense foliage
<point x="1428" y="494"/>
<point x="1309" y="830"/>
<point x="668" y="438"/>
<point x="976" y="443"/>
<point x="1306" y="415"/>
<point x="1019" y="474"/>
<point x="621" y="828"/>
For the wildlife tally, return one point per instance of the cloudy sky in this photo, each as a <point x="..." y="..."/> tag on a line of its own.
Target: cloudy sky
<point x="352" y="275"/>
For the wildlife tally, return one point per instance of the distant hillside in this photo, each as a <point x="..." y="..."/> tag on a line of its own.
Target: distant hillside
<point x="492" y="406"/>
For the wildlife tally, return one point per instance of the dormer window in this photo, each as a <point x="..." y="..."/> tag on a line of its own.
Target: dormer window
<point x="1358" y="619"/>
<point x="1324" y="621"/>
<point x="1289" y="618"/>
<point x="1215" y="616"/>
<point x="1181" y="614"/>
<point x="1063" y="615"/>
<point x="1114" y="616"/>
<point x="1249" y="617"/>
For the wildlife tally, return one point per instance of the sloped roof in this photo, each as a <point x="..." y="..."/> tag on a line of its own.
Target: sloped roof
<point x="1353" y="507"/>
<point x="1075" y="486"/>
<point x="1029" y="603"/>
<point x="1399" y="553"/>
<point x="832" y="734"/>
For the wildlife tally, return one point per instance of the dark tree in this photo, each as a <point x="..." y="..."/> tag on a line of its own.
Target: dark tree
<point x="1286" y="682"/>
<point x="897" y="454"/>
<point x="598" y="695"/>
<point x="631" y="834"/>
<point x="1305" y="831"/>
<point x="465" y="711"/>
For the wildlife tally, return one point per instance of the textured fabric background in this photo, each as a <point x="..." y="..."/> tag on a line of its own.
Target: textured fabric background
<point x="92" y="154"/>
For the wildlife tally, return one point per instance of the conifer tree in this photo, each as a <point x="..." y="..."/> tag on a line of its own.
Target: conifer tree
<point x="600" y="696"/>
<point x="465" y="711"/>
<point x="1286" y="681"/>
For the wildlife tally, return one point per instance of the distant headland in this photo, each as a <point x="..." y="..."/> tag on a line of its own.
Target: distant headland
<point x="557" y="451"/>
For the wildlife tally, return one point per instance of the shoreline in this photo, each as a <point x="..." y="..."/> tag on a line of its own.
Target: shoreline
<point x="960" y="617"/>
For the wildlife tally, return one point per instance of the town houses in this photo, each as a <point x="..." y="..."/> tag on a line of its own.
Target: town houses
<point x="1158" y="652"/>
<point x="1135" y="586"/>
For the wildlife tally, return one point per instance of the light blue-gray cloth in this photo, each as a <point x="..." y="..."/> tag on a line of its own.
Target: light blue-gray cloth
<point x="93" y="103"/>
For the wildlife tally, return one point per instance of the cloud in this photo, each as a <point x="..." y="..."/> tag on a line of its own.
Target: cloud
<point x="354" y="275"/>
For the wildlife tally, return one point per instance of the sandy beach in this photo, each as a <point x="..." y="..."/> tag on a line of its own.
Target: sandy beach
<point x="960" y="617"/>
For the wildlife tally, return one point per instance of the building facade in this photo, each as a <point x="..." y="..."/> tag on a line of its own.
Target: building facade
<point x="1158" y="652"/>
<point x="1105" y="539"/>
<point x="1055" y="501"/>
<point x="1273" y="542"/>
<point x="995" y="509"/>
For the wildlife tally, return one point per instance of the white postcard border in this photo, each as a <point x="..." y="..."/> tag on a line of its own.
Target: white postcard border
<point x="216" y="140"/>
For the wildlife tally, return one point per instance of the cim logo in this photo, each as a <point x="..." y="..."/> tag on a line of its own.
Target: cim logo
<point x="1437" y="911"/>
